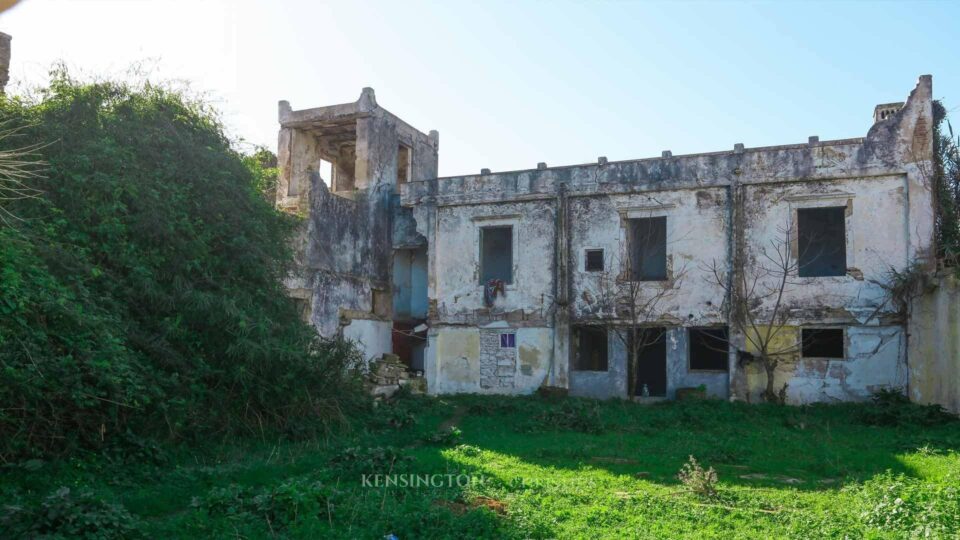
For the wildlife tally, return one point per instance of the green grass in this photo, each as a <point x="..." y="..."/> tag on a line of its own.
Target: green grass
<point x="549" y="469"/>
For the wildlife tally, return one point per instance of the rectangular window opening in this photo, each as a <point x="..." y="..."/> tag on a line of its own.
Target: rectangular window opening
<point x="326" y="173"/>
<point x="403" y="164"/>
<point x="821" y="241"/>
<point x="594" y="260"/>
<point x="822" y="342"/>
<point x="647" y="241"/>
<point x="508" y="341"/>
<point x="496" y="254"/>
<point x="590" y="349"/>
<point x="709" y="349"/>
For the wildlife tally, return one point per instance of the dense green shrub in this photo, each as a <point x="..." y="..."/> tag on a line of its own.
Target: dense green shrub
<point x="892" y="408"/>
<point x="297" y="498"/>
<point x="141" y="293"/>
<point x="65" y="514"/>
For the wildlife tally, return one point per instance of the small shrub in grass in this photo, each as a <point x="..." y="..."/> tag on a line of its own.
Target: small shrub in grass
<point x="398" y="417"/>
<point x="911" y="506"/>
<point x="66" y="514"/>
<point x="571" y="414"/>
<point x="698" y="480"/>
<point x="376" y="460"/>
<point x="468" y="450"/>
<point x="489" y="407"/>
<point x="448" y="437"/>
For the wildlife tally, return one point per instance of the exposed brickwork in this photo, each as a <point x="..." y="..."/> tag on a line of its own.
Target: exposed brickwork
<point x="498" y="365"/>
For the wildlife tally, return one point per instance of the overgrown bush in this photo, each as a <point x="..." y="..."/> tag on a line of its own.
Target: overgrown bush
<point x="581" y="415"/>
<point x="65" y="514"/>
<point x="891" y="408"/>
<point x="946" y="181"/>
<point x="281" y="506"/>
<point x="142" y="291"/>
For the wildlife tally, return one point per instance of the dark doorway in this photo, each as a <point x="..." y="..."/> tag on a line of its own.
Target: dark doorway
<point x="590" y="344"/>
<point x="651" y="369"/>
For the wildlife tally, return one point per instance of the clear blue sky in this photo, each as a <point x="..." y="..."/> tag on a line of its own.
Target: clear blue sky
<point x="511" y="84"/>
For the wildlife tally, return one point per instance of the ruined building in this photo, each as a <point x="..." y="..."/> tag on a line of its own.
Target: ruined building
<point x="503" y="282"/>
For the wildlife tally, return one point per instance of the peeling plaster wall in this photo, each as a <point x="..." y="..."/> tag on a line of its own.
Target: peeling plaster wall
<point x="696" y="234"/>
<point x="454" y="360"/>
<point x="679" y="374"/>
<point x="934" y="345"/>
<point x="373" y="337"/>
<point x="458" y="289"/>
<point x="877" y="239"/>
<point x="604" y="384"/>
<point x="875" y="359"/>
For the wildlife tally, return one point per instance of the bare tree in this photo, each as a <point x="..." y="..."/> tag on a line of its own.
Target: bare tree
<point x="19" y="166"/>
<point x="755" y="303"/>
<point x="623" y="302"/>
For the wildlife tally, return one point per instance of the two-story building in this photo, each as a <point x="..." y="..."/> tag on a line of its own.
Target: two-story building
<point x="503" y="282"/>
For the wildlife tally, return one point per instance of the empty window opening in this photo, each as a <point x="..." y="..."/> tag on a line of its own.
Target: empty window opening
<point x="594" y="260"/>
<point x="822" y="342"/>
<point x="326" y="173"/>
<point x="822" y="243"/>
<point x="303" y="307"/>
<point x="496" y="254"/>
<point x="590" y="349"/>
<point x="709" y="349"/>
<point x="403" y="164"/>
<point x="647" y="241"/>
<point x="651" y="368"/>
<point x="508" y="341"/>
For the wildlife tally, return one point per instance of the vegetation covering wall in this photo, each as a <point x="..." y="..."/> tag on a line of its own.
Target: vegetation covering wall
<point x="946" y="176"/>
<point x="140" y="290"/>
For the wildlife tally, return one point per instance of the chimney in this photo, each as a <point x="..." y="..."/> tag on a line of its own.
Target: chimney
<point x="886" y="110"/>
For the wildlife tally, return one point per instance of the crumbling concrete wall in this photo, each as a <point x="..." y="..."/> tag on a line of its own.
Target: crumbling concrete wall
<point x="604" y="384"/>
<point x="470" y="360"/>
<point x="877" y="240"/>
<point x="934" y="344"/>
<point x="352" y="221"/>
<point x="696" y="235"/>
<point x="874" y="359"/>
<point x="679" y="374"/>
<point x="459" y="292"/>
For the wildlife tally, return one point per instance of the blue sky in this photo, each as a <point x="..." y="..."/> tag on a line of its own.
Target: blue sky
<point x="509" y="84"/>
